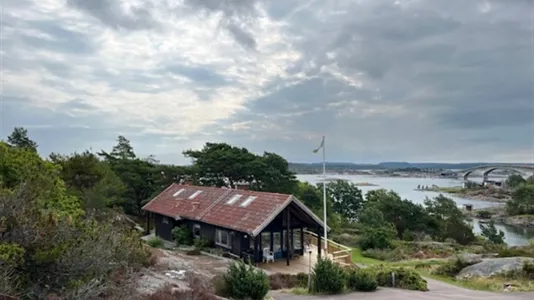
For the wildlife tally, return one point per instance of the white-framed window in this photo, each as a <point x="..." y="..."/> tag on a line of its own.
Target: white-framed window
<point x="196" y="231"/>
<point x="165" y="220"/>
<point x="222" y="238"/>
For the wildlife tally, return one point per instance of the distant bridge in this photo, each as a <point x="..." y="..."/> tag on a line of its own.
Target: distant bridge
<point x="487" y="169"/>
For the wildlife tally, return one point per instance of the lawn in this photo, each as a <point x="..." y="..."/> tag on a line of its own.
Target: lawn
<point x="358" y="258"/>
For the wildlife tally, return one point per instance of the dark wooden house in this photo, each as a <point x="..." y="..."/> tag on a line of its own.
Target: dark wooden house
<point x="244" y="223"/>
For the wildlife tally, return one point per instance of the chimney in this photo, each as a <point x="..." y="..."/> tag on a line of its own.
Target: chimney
<point x="195" y="205"/>
<point x="187" y="181"/>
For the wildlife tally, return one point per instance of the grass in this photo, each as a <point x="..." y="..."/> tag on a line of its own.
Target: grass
<point x="358" y="258"/>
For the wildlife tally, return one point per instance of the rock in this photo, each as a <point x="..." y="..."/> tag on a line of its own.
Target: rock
<point x="470" y="258"/>
<point x="493" y="266"/>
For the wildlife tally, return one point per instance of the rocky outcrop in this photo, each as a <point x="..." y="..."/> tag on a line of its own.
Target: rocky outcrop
<point x="493" y="266"/>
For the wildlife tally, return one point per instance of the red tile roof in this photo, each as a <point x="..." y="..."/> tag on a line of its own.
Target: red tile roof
<point x="210" y="206"/>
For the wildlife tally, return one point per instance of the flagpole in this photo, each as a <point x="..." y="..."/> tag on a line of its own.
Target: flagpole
<point x="324" y="197"/>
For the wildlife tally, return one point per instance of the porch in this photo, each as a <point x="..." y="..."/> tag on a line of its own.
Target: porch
<point x="306" y="261"/>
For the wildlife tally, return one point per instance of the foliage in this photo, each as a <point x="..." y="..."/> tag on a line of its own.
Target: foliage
<point x="484" y="214"/>
<point x="327" y="277"/>
<point x="202" y="243"/>
<point x="279" y="281"/>
<point x="155" y="242"/>
<point x="522" y="201"/>
<point x="361" y="280"/>
<point x="413" y="250"/>
<point x="220" y="164"/>
<point x="91" y="180"/>
<point x="19" y="138"/>
<point x="453" y="267"/>
<point x="404" y="278"/>
<point x="346" y="198"/>
<point x="246" y="282"/>
<point x="377" y="238"/>
<point x="182" y="236"/>
<point x="448" y="220"/>
<point x="370" y="216"/>
<point x="491" y="233"/>
<point x="514" y="181"/>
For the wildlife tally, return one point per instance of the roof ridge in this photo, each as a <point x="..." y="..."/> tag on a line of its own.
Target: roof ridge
<point x="201" y="215"/>
<point x="158" y="195"/>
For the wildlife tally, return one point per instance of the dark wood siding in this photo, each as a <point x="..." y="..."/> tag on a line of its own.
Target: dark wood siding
<point x="164" y="226"/>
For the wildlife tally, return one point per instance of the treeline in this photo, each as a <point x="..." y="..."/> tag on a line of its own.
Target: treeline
<point x="522" y="202"/>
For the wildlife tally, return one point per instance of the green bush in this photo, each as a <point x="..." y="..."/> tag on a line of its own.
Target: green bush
<point x="408" y="236"/>
<point x="155" y="242"/>
<point x="484" y="214"/>
<point x="328" y="277"/>
<point x="404" y="278"/>
<point x="246" y="282"/>
<point x="221" y="287"/>
<point x="361" y="280"/>
<point x="528" y="270"/>
<point x="377" y="238"/>
<point x="182" y="236"/>
<point x="453" y="267"/>
<point x="202" y="243"/>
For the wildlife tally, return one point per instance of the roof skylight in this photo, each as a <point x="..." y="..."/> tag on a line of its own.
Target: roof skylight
<point x="195" y="194"/>
<point x="178" y="192"/>
<point x="233" y="199"/>
<point x="248" y="201"/>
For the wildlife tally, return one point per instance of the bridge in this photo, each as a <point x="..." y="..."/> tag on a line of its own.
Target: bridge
<point x="526" y="170"/>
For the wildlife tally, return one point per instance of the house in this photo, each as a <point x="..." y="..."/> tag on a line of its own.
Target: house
<point x="246" y="224"/>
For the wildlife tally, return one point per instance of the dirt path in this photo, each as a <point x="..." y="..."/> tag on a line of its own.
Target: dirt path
<point x="438" y="291"/>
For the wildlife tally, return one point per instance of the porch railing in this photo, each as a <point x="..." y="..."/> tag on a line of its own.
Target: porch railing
<point x="340" y="253"/>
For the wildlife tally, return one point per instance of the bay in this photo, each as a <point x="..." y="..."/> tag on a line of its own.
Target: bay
<point x="405" y="187"/>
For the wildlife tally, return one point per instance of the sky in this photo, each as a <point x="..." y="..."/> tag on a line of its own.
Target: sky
<point x="383" y="80"/>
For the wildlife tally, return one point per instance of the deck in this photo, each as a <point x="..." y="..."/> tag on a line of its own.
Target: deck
<point x="302" y="264"/>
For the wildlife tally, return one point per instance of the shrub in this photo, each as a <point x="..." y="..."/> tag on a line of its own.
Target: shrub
<point x="155" y="242"/>
<point x="377" y="238"/>
<point x="202" y="243"/>
<point x="407" y="235"/>
<point x="453" y="267"/>
<point x="221" y="287"/>
<point x="288" y="281"/>
<point x="528" y="270"/>
<point x="182" y="236"/>
<point x="516" y="251"/>
<point x="484" y="214"/>
<point x="246" y="282"/>
<point x="404" y="279"/>
<point x="328" y="277"/>
<point x="361" y="280"/>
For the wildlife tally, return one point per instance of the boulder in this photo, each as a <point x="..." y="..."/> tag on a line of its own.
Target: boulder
<point x="493" y="266"/>
<point x="470" y="258"/>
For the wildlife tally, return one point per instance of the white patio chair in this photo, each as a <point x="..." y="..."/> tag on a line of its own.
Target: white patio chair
<point x="268" y="255"/>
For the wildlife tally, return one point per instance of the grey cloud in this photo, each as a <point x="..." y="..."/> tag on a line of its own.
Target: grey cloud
<point x="198" y="74"/>
<point x="237" y="15"/>
<point x="112" y="14"/>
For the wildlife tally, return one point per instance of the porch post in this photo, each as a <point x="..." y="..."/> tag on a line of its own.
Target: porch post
<point x="319" y="242"/>
<point x="256" y="248"/>
<point x="288" y="243"/>
<point x="147" y="226"/>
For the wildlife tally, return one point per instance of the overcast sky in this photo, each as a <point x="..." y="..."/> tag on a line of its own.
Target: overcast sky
<point x="384" y="80"/>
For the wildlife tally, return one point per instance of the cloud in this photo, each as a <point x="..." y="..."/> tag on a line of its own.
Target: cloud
<point x="383" y="80"/>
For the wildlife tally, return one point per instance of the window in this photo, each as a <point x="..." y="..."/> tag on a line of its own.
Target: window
<point x="196" y="231"/>
<point x="195" y="194"/>
<point x="233" y="199"/>
<point x="297" y="245"/>
<point x="248" y="201"/>
<point x="266" y="240"/>
<point x="178" y="192"/>
<point x="165" y="220"/>
<point x="222" y="238"/>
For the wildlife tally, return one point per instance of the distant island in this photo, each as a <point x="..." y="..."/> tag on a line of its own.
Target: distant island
<point x="390" y="169"/>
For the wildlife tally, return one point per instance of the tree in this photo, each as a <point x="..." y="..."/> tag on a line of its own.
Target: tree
<point x="491" y="233"/>
<point x="522" y="201"/>
<point x="123" y="149"/>
<point x="514" y="181"/>
<point x="448" y="221"/>
<point x="220" y="164"/>
<point x="346" y="198"/>
<point x="19" y="138"/>
<point x="90" y="179"/>
<point x="370" y="216"/>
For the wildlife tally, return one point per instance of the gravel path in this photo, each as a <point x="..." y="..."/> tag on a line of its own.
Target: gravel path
<point x="438" y="291"/>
